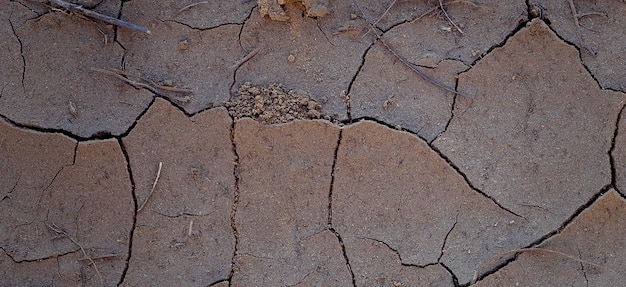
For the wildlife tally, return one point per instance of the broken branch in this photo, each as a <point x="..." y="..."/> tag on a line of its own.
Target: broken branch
<point x="98" y="16"/>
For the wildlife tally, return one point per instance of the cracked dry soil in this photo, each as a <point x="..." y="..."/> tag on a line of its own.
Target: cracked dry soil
<point x="248" y="143"/>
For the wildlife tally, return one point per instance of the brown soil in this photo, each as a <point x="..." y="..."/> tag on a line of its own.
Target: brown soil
<point x="248" y="143"/>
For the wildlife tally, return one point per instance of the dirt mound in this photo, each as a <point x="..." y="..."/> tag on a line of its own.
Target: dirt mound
<point x="273" y="104"/>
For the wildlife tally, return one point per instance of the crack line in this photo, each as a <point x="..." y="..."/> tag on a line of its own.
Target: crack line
<point x="330" y="210"/>
<point x="135" y="206"/>
<point x="233" y="212"/>
<point x="21" y="54"/>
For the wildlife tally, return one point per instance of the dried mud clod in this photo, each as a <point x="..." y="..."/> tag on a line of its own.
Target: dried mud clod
<point x="274" y="9"/>
<point x="273" y="104"/>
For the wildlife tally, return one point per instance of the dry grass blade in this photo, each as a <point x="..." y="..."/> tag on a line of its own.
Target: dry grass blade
<point x="448" y="17"/>
<point x="246" y="58"/>
<point x="153" y="186"/>
<point x="437" y="8"/>
<point x="417" y="71"/>
<point x="61" y="233"/>
<point x="190" y="6"/>
<point x="98" y="16"/>
<point x="384" y="13"/>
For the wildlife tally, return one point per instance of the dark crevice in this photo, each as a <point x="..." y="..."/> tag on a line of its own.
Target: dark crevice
<point x="470" y="184"/>
<point x="116" y="28"/>
<point x="183" y="214"/>
<point x="218" y="282"/>
<point x="445" y="158"/>
<point x="356" y="74"/>
<point x="135" y="206"/>
<point x="455" y="280"/>
<point x="345" y="254"/>
<point x="59" y="172"/>
<point x="445" y="239"/>
<point x="8" y="195"/>
<point x="7" y="254"/>
<point x="398" y="254"/>
<point x="380" y="122"/>
<point x="521" y="25"/>
<point x="28" y="7"/>
<point x="330" y="210"/>
<point x="332" y="181"/>
<point x="233" y="211"/>
<point x="243" y="25"/>
<point x="543" y="239"/>
<point x="317" y="23"/>
<point x="21" y="54"/>
<point x="582" y="267"/>
<point x="201" y="28"/>
<point x="612" y="148"/>
<point x="580" y="54"/>
<point x="454" y="96"/>
<point x="33" y="127"/>
<point x="53" y="256"/>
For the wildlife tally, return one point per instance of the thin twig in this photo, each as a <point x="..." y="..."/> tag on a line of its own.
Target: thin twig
<point x="98" y="16"/>
<point x="448" y="17"/>
<point x="135" y="84"/>
<point x="153" y="186"/>
<point x="538" y="250"/>
<point x="384" y="13"/>
<point x="417" y="71"/>
<point x="574" y="13"/>
<point x="437" y="7"/>
<point x="580" y="15"/>
<point x="60" y="231"/>
<point x="190" y="6"/>
<point x="152" y="87"/>
<point x="246" y="58"/>
<point x="107" y="256"/>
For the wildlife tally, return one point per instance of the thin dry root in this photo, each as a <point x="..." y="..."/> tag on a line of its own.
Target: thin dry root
<point x="153" y="186"/>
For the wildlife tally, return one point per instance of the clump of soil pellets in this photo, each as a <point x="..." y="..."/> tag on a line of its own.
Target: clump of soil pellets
<point x="273" y="104"/>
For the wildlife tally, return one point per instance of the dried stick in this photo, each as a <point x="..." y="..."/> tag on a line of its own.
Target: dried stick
<point x="437" y="7"/>
<point x="574" y="13"/>
<point x="98" y="16"/>
<point x="417" y="71"/>
<point x="60" y="231"/>
<point x="153" y="87"/>
<point x="246" y="58"/>
<point x="448" y="17"/>
<point x="538" y="250"/>
<point x="128" y="81"/>
<point x="153" y="186"/>
<point x="384" y="13"/>
<point x="190" y="6"/>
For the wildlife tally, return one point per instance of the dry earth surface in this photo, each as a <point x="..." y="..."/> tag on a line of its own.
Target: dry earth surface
<point x="313" y="143"/>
